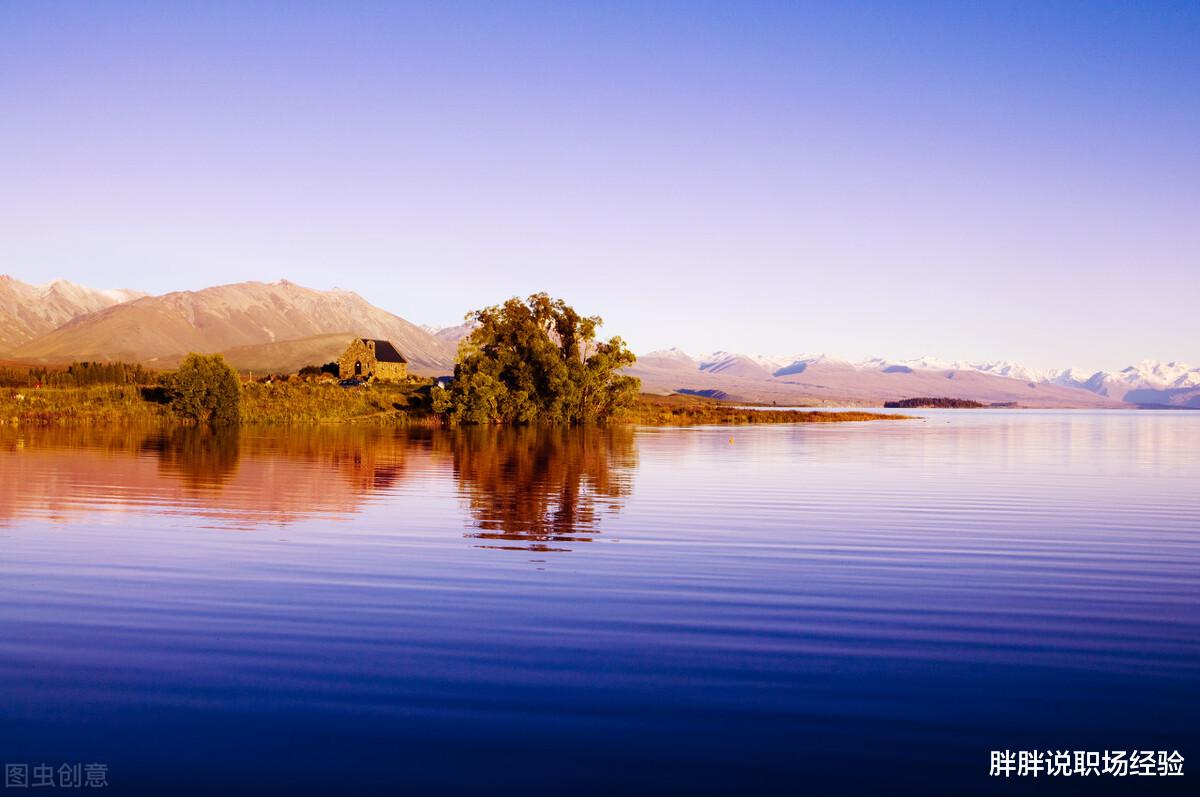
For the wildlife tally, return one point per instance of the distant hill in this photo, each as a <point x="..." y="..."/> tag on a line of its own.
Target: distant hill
<point x="281" y="356"/>
<point x="289" y="356"/>
<point x="236" y="318"/>
<point x="821" y="379"/>
<point x="30" y="311"/>
<point x="453" y="334"/>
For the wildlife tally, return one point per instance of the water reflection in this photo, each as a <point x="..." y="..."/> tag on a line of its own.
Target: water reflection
<point x="231" y="479"/>
<point x="535" y="488"/>
<point x="202" y="458"/>
<point x="532" y="489"/>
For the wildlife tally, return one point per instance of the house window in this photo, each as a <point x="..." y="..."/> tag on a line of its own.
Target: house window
<point x="358" y="367"/>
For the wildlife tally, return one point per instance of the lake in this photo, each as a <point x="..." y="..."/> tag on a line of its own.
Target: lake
<point x="842" y="608"/>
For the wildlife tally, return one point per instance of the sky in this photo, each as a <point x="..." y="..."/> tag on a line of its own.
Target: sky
<point x="992" y="180"/>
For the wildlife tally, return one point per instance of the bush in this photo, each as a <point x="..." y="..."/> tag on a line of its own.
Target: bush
<point x="206" y="389"/>
<point x="537" y="360"/>
<point x="320" y="371"/>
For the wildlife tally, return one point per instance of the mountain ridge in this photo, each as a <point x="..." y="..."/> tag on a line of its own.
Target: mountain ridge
<point x="29" y="311"/>
<point x="1149" y="382"/>
<point x="224" y="317"/>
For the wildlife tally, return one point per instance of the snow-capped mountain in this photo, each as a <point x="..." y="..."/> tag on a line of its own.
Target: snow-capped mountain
<point x="1150" y="373"/>
<point x="1009" y="370"/>
<point x="1069" y="377"/>
<point x="746" y="365"/>
<point x="903" y="366"/>
<point x="1148" y="382"/>
<point x="452" y="334"/>
<point x="671" y="357"/>
<point x="1004" y="368"/>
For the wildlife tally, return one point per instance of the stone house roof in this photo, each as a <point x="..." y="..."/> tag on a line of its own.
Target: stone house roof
<point x="385" y="352"/>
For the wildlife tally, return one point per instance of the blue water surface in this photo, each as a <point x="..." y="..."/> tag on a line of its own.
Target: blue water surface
<point x="849" y="608"/>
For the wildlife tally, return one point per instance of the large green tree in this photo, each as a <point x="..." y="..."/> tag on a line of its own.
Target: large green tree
<point x="206" y="389"/>
<point x="537" y="360"/>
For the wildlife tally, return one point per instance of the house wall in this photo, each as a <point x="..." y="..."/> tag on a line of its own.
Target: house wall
<point x="393" y="371"/>
<point x="357" y="352"/>
<point x="364" y="353"/>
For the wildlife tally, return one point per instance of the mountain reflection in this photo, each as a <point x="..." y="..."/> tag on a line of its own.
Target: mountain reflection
<point x="534" y="488"/>
<point x="525" y="488"/>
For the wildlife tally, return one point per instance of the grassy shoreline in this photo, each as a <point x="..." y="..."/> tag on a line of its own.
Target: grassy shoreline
<point x="679" y="410"/>
<point x="318" y="403"/>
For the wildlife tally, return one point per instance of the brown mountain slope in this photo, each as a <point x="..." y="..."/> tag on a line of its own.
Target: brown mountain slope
<point x="155" y="329"/>
<point x="29" y="311"/>
<point x="289" y="356"/>
<point x="832" y="382"/>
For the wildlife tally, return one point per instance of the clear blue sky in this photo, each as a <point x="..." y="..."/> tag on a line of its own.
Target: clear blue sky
<point x="967" y="180"/>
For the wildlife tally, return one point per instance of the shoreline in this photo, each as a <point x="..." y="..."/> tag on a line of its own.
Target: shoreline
<point x="325" y="404"/>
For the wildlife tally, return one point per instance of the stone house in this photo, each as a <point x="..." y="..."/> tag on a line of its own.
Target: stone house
<point x="367" y="358"/>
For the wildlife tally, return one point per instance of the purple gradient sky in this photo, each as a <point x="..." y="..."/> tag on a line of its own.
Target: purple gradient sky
<point x="965" y="180"/>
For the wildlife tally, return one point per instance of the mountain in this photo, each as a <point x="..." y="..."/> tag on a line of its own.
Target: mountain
<point x="1006" y="369"/>
<point x="156" y="329"/>
<point x="282" y="356"/>
<point x="825" y="379"/>
<point x="455" y="333"/>
<point x="29" y="311"/>
<point x="1149" y="382"/>
<point x="669" y="360"/>
<point x="742" y="365"/>
<point x="1069" y="377"/>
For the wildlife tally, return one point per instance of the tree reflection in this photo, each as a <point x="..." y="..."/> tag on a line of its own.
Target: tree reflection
<point x="202" y="457"/>
<point x="533" y="488"/>
<point x="529" y="488"/>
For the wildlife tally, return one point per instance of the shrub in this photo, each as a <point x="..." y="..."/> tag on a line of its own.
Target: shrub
<point x="537" y="360"/>
<point x="206" y="389"/>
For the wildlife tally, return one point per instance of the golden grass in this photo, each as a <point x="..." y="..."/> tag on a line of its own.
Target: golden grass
<point x="297" y="403"/>
<point x="679" y="410"/>
<point x="98" y="405"/>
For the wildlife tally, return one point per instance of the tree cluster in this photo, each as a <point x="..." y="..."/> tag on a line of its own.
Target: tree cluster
<point x="79" y="374"/>
<point x="537" y="360"/>
<point x="933" y="401"/>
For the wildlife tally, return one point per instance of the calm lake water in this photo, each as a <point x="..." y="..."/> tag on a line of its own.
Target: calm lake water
<point x="841" y="608"/>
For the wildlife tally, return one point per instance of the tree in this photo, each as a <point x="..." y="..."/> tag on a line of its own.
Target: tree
<point x="537" y="360"/>
<point x="206" y="389"/>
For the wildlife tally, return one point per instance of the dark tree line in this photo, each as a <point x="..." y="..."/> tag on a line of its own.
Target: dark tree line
<point x="79" y="374"/>
<point x="941" y="402"/>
